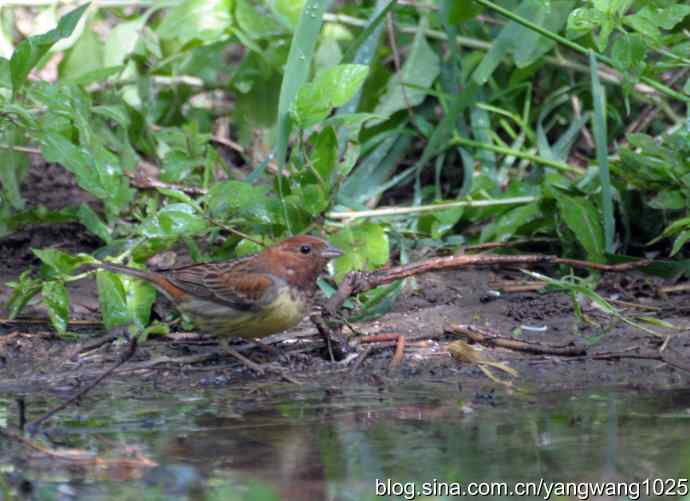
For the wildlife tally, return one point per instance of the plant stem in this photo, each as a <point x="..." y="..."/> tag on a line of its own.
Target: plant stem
<point x="577" y="47"/>
<point x="562" y="166"/>
<point x="399" y="211"/>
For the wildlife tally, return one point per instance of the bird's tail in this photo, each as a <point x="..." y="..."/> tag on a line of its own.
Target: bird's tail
<point x="144" y="275"/>
<point x="167" y="287"/>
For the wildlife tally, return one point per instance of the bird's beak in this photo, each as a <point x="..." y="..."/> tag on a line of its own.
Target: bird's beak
<point x="331" y="252"/>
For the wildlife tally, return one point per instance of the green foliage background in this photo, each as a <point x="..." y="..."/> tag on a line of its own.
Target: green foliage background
<point x="381" y="125"/>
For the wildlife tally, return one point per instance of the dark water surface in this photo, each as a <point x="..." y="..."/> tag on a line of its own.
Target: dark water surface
<point x="340" y="444"/>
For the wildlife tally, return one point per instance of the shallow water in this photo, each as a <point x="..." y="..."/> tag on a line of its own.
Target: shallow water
<point x="345" y="443"/>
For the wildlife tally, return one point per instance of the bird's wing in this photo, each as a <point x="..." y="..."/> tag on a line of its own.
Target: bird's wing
<point x="234" y="286"/>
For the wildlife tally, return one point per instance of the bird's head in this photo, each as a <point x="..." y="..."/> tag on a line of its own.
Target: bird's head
<point x="301" y="258"/>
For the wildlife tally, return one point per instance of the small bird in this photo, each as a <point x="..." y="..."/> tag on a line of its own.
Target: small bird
<point x="249" y="297"/>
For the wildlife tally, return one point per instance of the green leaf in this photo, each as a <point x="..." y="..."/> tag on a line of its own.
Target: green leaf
<point x="204" y="20"/>
<point x="22" y="292"/>
<point x="295" y="74"/>
<point x="418" y="73"/>
<point x="314" y="200"/>
<point x="254" y="20"/>
<point x="30" y="50"/>
<point x="247" y="247"/>
<point x="140" y="298"/>
<point x="112" y="299"/>
<point x="288" y="10"/>
<point x="13" y="169"/>
<point x="324" y="156"/>
<point x="174" y="220"/>
<point x="645" y="23"/>
<point x="331" y="88"/>
<point x="463" y="10"/>
<point x="93" y="223"/>
<point x="60" y="261"/>
<point x="669" y="17"/>
<point x="121" y="41"/>
<point x="680" y="241"/>
<point x="365" y="246"/>
<point x="445" y="220"/>
<point x="5" y="74"/>
<point x="508" y="223"/>
<point x="669" y="200"/>
<point x="56" y="299"/>
<point x="601" y="144"/>
<point x="85" y="56"/>
<point x="629" y="53"/>
<point x="232" y="198"/>
<point x="526" y="45"/>
<point x="583" y="219"/>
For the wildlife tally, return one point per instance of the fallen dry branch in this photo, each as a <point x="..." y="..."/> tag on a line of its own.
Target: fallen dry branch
<point x="357" y="282"/>
<point x="492" y="340"/>
<point x="399" y="343"/>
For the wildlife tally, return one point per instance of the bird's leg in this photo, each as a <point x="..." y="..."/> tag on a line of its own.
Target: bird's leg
<point x="267" y="348"/>
<point x="258" y="368"/>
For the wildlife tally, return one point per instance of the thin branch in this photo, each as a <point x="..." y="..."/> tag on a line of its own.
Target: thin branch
<point x="132" y="348"/>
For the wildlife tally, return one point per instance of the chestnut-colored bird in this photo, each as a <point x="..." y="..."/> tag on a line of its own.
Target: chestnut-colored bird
<point x="249" y="297"/>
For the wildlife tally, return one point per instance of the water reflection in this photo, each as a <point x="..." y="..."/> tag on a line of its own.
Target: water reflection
<point x="334" y="444"/>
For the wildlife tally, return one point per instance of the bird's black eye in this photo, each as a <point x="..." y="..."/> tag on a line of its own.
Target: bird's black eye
<point x="305" y="249"/>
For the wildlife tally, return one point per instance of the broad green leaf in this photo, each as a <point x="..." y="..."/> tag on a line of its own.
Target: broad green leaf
<point x="13" y="168"/>
<point x="288" y="10"/>
<point x="140" y="297"/>
<point x="22" y="291"/>
<point x="93" y="223"/>
<point x="365" y="246"/>
<point x="121" y="41"/>
<point x="645" y="23"/>
<point x="417" y="73"/>
<point x="510" y="222"/>
<point x="174" y="220"/>
<point x="56" y="299"/>
<point x="332" y="88"/>
<point x="583" y="21"/>
<point x="445" y="220"/>
<point x="629" y="53"/>
<point x="253" y="19"/>
<point x="583" y="219"/>
<point x="463" y="10"/>
<point x="112" y="299"/>
<point x="232" y="198"/>
<point x="29" y="51"/>
<point x="526" y="45"/>
<point x="204" y="20"/>
<point x="324" y="156"/>
<point x="314" y="200"/>
<point x="85" y="56"/>
<point x="669" y="17"/>
<point x="247" y="247"/>
<point x="60" y="261"/>
<point x="669" y="200"/>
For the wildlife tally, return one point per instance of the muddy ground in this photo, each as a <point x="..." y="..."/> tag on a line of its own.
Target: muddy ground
<point x="34" y="359"/>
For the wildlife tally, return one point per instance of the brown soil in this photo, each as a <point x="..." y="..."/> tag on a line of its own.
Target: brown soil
<point x="33" y="359"/>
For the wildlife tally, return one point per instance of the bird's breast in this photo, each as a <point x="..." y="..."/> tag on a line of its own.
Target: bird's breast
<point x="285" y="309"/>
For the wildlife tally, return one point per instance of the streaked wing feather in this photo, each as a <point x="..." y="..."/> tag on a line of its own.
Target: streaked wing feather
<point x="234" y="286"/>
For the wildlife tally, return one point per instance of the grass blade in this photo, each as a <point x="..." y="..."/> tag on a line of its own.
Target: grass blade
<point x="297" y="69"/>
<point x="599" y="129"/>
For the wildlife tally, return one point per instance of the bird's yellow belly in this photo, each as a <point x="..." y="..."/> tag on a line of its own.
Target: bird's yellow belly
<point x="284" y="312"/>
